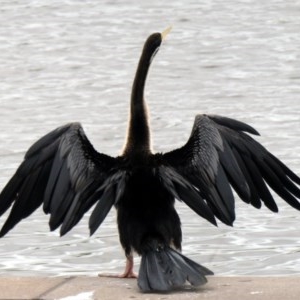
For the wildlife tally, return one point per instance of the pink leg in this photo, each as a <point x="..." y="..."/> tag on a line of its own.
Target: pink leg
<point x="128" y="273"/>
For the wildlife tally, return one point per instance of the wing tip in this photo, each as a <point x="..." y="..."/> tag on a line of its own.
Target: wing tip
<point x="5" y="229"/>
<point x="92" y="230"/>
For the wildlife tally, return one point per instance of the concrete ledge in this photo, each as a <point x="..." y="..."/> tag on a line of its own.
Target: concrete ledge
<point x="94" y="288"/>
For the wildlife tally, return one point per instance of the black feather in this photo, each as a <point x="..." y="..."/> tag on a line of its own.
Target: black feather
<point x="234" y="173"/>
<point x="23" y="205"/>
<point x="282" y="176"/>
<point x="9" y="193"/>
<point x="44" y="142"/>
<point x="233" y="124"/>
<point x="163" y="269"/>
<point x="224" y="201"/>
<point x="58" y="216"/>
<point x="184" y="191"/>
<point x="262" y="189"/>
<point x="254" y="199"/>
<point x="60" y="190"/>
<point x="79" y="206"/>
<point x="288" y="171"/>
<point x="277" y="185"/>
<point x="55" y="171"/>
<point x="57" y="166"/>
<point x="102" y="208"/>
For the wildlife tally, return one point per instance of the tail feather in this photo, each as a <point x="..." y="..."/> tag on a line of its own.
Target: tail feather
<point x="177" y="277"/>
<point x="153" y="266"/>
<point x="195" y="274"/>
<point x="163" y="269"/>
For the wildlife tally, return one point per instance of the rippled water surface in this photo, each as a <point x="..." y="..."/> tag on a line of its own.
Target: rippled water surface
<point x="67" y="60"/>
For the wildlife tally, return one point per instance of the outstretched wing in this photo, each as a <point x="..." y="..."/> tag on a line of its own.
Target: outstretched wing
<point x="220" y="155"/>
<point x="63" y="171"/>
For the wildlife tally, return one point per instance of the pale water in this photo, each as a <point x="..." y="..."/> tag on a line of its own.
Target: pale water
<point x="64" y="61"/>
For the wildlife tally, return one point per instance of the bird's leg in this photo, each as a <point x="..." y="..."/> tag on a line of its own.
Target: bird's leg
<point x="128" y="273"/>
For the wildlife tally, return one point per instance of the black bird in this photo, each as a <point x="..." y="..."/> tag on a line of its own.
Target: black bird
<point x="64" y="172"/>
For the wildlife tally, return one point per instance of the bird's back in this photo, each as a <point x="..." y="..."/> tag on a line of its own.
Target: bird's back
<point x="146" y="211"/>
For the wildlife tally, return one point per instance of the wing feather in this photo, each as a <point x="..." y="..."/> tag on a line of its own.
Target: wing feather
<point x="234" y="173"/>
<point x="59" y="170"/>
<point x="182" y="190"/>
<point x="220" y="156"/>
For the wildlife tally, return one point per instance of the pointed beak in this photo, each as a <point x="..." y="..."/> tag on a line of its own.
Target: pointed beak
<point x="165" y="32"/>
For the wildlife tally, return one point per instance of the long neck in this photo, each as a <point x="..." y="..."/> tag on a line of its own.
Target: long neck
<point x="138" y="138"/>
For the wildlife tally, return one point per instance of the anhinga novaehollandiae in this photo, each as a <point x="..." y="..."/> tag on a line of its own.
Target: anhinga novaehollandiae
<point x="64" y="172"/>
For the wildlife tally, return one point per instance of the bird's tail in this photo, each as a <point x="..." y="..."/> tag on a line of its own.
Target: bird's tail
<point x="162" y="269"/>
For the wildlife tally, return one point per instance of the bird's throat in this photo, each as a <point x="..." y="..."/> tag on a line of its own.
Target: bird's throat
<point x="138" y="136"/>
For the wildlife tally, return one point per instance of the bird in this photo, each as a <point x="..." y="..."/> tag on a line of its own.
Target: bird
<point x="63" y="173"/>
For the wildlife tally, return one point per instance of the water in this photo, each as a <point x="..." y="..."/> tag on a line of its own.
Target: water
<point x="67" y="60"/>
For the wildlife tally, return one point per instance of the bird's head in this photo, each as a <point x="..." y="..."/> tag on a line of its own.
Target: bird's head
<point x="154" y="41"/>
